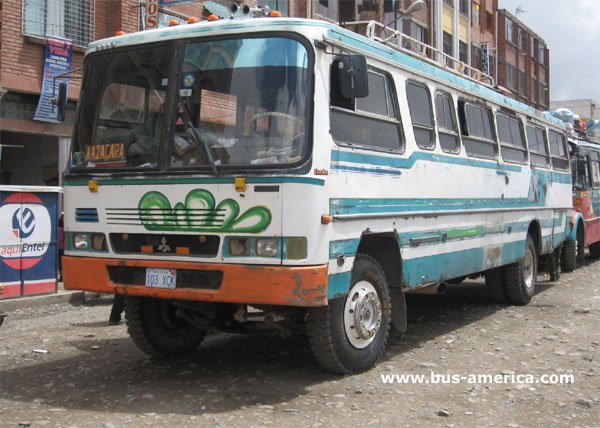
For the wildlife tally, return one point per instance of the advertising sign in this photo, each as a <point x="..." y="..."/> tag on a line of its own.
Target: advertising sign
<point x="28" y="251"/>
<point x="58" y="61"/>
<point x="151" y="14"/>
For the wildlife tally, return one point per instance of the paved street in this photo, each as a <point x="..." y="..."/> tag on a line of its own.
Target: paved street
<point x="62" y="365"/>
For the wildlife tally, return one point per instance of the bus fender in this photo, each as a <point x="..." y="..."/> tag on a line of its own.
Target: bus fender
<point x="577" y="217"/>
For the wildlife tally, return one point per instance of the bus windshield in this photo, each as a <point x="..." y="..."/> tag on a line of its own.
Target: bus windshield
<point x="238" y="103"/>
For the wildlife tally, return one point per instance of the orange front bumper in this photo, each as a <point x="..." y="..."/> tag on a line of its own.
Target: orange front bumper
<point x="266" y="285"/>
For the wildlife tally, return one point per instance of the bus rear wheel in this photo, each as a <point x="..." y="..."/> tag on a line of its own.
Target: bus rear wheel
<point x="520" y="277"/>
<point x="156" y="330"/>
<point x="349" y="335"/>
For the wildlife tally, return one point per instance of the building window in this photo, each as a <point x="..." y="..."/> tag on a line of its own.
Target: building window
<point x="534" y="90"/>
<point x="449" y="2"/>
<point x="476" y="58"/>
<point x="542" y="49"/>
<point x="510" y="33"/>
<point x="448" y="44"/>
<point x="532" y="47"/>
<point x="542" y="94"/>
<point x="521" y="39"/>
<point x="511" y="77"/>
<point x="280" y="5"/>
<point x="522" y="83"/>
<point x="463" y="7"/>
<point x="475" y="14"/>
<point x="328" y="9"/>
<point x="417" y="32"/>
<point x="67" y="19"/>
<point x="489" y="22"/>
<point x="463" y="52"/>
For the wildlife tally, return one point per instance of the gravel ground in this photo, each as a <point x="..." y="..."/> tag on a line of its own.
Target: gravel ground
<point x="64" y="366"/>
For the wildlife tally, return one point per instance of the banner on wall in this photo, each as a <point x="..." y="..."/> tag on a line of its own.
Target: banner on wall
<point x="59" y="53"/>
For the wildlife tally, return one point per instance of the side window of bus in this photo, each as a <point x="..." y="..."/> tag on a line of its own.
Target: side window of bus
<point x="510" y="135"/>
<point x="595" y="167"/>
<point x="477" y="129"/>
<point x="558" y="150"/>
<point x="372" y="121"/>
<point x="446" y="122"/>
<point x="538" y="149"/>
<point x="421" y="113"/>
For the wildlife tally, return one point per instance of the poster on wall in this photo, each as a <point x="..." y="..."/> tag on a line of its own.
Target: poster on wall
<point x="58" y="61"/>
<point x="28" y="242"/>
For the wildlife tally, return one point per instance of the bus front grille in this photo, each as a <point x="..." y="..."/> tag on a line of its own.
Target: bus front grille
<point x="164" y="244"/>
<point x="166" y="219"/>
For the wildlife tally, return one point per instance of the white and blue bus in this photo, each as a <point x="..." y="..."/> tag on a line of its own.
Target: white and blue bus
<point x="289" y="175"/>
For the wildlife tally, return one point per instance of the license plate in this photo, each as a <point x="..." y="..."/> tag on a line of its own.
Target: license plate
<point x="161" y="278"/>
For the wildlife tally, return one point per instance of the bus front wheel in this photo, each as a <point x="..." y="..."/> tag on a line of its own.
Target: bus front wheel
<point x="155" y="328"/>
<point x="520" y="277"/>
<point x="349" y="335"/>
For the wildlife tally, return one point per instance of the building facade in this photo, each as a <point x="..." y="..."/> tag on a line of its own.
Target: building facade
<point x="523" y="62"/>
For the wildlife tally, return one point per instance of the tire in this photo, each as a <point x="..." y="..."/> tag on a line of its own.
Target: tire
<point x="340" y="340"/>
<point x="569" y="256"/>
<point x="520" y="277"/>
<point x="156" y="330"/>
<point x="595" y="250"/>
<point x="580" y="247"/>
<point x="494" y="283"/>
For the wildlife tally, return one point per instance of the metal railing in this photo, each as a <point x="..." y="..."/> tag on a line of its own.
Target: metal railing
<point x="398" y="40"/>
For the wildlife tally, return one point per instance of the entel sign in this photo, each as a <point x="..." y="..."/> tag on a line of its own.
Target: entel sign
<point x="25" y="231"/>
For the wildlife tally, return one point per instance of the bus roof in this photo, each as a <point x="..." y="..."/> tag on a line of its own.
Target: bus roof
<point x="333" y="32"/>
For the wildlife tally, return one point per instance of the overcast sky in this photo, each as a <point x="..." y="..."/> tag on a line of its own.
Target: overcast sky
<point x="571" y="29"/>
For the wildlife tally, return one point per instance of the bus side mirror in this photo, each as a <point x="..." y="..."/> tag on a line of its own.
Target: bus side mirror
<point x="61" y="101"/>
<point x="353" y="76"/>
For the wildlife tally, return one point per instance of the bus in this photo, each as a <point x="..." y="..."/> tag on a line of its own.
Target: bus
<point x="291" y="176"/>
<point x="585" y="232"/>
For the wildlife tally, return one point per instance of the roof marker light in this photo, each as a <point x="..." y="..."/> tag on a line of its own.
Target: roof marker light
<point x="275" y="14"/>
<point x="213" y="18"/>
<point x="192" y="20"/>
<point x="120" y="33"/>
<point x="173" y="22"/>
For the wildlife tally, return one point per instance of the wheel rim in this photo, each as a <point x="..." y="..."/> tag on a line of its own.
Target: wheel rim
<point x="529" y="271"/>
<point x="362" y="314"/>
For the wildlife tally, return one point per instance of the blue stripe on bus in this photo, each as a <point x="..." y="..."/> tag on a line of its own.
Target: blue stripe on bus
<point x="437" y="267"/>
<point x="393" y="162"/>
<point x="349" y="247"/>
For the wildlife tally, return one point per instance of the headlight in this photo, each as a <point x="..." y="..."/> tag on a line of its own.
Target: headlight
<point x="239" y="247"/>
<point x="296" y="248"/>
<point x="267" y="247"/>
<point x="81" y="241"/>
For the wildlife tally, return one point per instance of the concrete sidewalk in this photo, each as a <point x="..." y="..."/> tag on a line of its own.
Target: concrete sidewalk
<point x="61" y="296"/>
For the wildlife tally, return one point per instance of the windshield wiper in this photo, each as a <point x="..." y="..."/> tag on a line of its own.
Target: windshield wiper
<point x="199" y="139"/>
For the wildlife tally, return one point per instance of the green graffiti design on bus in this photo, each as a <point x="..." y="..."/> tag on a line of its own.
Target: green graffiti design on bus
<point x="200" y="213"/>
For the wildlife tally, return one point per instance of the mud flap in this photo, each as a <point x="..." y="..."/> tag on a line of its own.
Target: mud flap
<point x="399" y="319"/>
